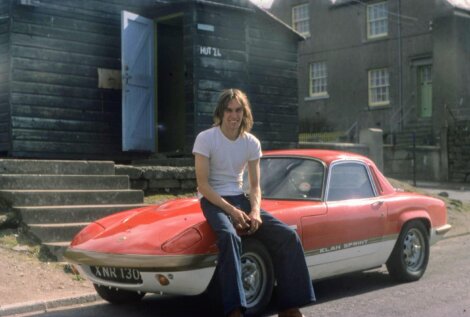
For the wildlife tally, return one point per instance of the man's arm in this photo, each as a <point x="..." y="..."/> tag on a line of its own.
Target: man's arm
<point x="255" y="194"/>
<point x="240" y="219"/>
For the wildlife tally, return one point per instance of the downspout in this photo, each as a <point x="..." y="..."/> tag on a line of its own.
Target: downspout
<point x="400" y="68"/>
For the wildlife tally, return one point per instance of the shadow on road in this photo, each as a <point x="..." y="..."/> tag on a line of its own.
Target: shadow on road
<point x="198" y="306"/>
<point x="351" y="285"/>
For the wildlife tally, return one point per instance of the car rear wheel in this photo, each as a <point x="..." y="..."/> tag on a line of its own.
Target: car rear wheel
<point x="410" y="255"/>
<point x="118" y="296"/>
<point x="257" y="276"/>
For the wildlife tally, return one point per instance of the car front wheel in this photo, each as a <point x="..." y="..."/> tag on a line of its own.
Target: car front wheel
<point x="410" y="255"/>
<point x="118" y="296"/>
<point x="257" y="276"/>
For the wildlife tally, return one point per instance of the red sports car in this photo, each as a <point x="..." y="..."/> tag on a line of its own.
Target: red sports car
<point x="347" y="214"/>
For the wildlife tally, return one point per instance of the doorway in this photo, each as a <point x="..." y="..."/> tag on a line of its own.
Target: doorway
<point x="171" y="115"/>
<point x="425" y="90"/>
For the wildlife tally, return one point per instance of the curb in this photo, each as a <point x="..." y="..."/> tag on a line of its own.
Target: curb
<point x="46" y="305"/>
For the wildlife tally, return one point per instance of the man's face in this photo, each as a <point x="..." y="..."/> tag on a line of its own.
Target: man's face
<point x="233" y="115"/>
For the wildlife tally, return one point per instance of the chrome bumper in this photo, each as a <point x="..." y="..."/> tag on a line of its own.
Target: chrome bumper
<point x="439" y="232"/>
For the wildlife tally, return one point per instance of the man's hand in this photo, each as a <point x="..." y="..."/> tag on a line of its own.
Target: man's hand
<point x="255" y="220"/>
<point x="241" y="221"/>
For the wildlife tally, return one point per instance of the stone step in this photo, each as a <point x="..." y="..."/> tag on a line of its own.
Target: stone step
<point x="48" y="182"/>
<point x="65" y="214"/>
<point x="56" y="167"/>
<point x="173" y="161"/>
<point x="17" y="198"/>
<point x="55" y="232"/>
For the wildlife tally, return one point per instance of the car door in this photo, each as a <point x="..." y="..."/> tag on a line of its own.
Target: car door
<point x="353" y="228"/>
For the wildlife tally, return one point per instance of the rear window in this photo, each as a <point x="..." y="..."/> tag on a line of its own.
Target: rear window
<point x="291" y="178"/>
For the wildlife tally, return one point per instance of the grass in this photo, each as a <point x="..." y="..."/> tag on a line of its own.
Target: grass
<point x="8" y="238"/>
<point x="158" y="198"/>
<point x="13" y="239"/>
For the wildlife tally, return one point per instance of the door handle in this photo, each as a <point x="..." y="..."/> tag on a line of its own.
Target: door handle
<point x="377" y="204"/>
<point x="127" y="77"/>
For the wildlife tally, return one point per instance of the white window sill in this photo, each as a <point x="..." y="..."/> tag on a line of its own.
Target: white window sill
<point x="371" y="38"/>
<point x="379" y="106"/>
<point x="318" y="97"/>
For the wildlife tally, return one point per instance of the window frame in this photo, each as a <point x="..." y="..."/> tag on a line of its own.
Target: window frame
<point x="323" y="78"/>
<point x="370" y="178"/>
<point x="370" y="21"/>
<point x="372" y="88"/>
<point x="305" y="158"/>
<point x="307" y="19"/>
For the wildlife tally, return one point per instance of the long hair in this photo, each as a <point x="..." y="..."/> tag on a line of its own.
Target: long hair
<point x="222" y="103"/>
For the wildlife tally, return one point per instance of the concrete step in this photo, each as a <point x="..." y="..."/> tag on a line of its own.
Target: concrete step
<point x="17" y="198"/>
<point x="64" y="214"/>
<point x="48" y="182"/>
<point x="56" y="167"/>
<point x="57" y="198"/>
<point x="55" y="232"/>
<point x="171" y="161"/>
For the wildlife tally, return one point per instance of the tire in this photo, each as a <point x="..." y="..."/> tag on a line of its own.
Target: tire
<point x="257" y="276"/>
<point x="410" y="256"/>
<point x="118" y="296"/>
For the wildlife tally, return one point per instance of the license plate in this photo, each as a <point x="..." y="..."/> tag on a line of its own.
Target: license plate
<point x="117" y="274"/>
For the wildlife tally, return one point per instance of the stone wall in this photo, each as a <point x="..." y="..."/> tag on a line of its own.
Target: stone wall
<point x="459" y="151"/>
<point x="167" y="179"/>
<point x="398" y="162"/>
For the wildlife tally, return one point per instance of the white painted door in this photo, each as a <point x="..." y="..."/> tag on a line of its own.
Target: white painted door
<point x="138" y="83"/>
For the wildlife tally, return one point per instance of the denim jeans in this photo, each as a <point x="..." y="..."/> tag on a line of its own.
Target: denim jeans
<point x="294" y="286"/>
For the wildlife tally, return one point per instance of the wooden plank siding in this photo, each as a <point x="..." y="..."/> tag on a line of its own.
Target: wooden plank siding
<point x="4" y="76"/>
<point x="57" y="108"/>
<point x="259" y="55"/>
<point x="273" y="78"/>
<point x="225" y="66"/>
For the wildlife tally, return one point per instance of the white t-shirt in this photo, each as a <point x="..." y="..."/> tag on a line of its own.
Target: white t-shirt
<point x="227" y="158"/>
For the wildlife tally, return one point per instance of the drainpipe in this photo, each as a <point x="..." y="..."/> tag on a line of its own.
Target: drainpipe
<point x="400" y="67"/>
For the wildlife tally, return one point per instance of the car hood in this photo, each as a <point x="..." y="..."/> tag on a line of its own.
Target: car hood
<point x="144" y="230"/>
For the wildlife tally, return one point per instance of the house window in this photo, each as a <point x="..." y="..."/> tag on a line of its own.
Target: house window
<point x="318" y="79"/>
<point x="300" y="19"/>
<point x="379" y="87"/>
<point x="377" y="20"/>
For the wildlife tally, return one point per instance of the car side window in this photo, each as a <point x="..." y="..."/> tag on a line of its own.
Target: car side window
<point x="349" y="181"/>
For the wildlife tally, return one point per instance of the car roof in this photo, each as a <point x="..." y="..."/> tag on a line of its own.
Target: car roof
<point x="327" y="156"/>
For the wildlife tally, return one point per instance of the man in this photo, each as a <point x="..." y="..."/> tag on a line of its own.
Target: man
<point x="221" y="155"/>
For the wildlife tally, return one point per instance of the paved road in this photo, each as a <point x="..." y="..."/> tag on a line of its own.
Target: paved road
<point x="443" y="291"/>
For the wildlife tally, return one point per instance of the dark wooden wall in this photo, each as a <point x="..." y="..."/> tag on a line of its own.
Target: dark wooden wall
<point x="272" y="70"/>
<point x="57" y="108"/>
<point x="257" y="54"/>
<point x="50" y="53"/>
<point x="4" y="75"/>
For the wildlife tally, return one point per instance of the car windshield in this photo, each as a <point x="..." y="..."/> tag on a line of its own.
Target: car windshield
<point x="290" y="178"/>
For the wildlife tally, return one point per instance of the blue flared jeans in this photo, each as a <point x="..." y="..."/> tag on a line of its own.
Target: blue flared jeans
<point x="294" y="286"/>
